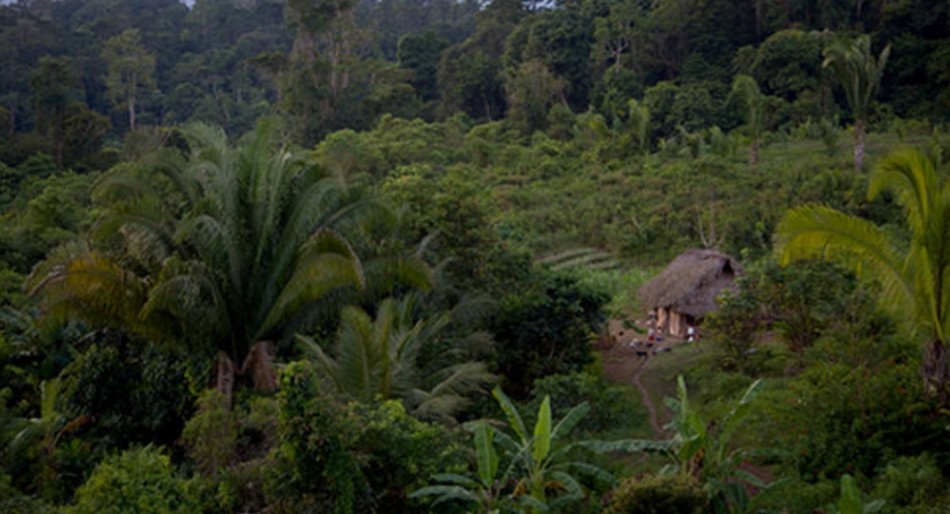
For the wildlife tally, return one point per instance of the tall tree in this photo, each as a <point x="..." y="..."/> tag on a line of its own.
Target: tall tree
<point x="420" y="53"/>
<point x="859" y="73"/>
<point x="131" y="70"/>
<point x="747" y="91"/>
<point x="913" y="273"/>
<point x="470" y="73"/>
<point x="324" y="63"/>
<point x="532" y="90"/>
<point x="54" y="87"/>
<point x="225" y="249"/>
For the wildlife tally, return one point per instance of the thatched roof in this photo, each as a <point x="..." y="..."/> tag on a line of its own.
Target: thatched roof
<point x="691" y="282"/>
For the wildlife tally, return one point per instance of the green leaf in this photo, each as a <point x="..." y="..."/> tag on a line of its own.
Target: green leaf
<point x="445" y="493"/>
<point x="750" y="478"/>
<point x="534" y="503"/>
<point x="569" y="421"/>
<point x="514" y="419"/>
<point x="850" y="500"/>
<point x="326" y="262"/>
<point x="541" y="445"/>
<point x="456" y="479"/>
<point x="628" y="446"/>
<point x="591" y="471"/>
<point x="874" y="506"/>
<point x="485" y="457"/>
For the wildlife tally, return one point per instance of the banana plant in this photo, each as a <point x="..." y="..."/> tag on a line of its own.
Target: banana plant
<point x="703" y="452"/>
<point x="484" y="488"/>
<point x="850" y="501"/>
<point x="541" y="459"/>
<point x="538" y="475"/>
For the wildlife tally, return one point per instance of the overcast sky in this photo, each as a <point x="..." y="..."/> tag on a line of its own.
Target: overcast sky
<point x="189" y="3"/>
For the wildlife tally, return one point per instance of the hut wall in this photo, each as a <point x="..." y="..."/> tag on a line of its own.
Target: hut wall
<point x="678" y="324"/>
<point x="662" y="319"/>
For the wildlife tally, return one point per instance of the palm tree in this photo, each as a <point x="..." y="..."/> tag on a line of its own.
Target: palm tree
<point x="913" y="273"/>
<point x="381" y="359"/>
<point x="745" y="87"/>
<point x="859" y="73"/>
<point x="225" y="248"/>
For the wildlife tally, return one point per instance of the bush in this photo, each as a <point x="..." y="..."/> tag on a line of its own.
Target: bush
<point x="913" y="485"/>
<point x="211" y="435"/>
<point x="231" y="448"/>
<point x="852" y="412"/>
<point x="657" y="494"/>
<point x="139" y="481"/>
<point x="613" y="410"/>
<point x="13" y="501"/>
<point x="799" y="303"/>
<point x="134" y="395"/>
<point x="797" y="496"/>
<point x="546" y="330"/>
<point x="355" y="457"/>
<point x="316" y="472"/>
<point x="398" y="453"/>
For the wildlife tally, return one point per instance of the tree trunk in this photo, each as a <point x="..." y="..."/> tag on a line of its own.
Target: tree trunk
<point x="858" y="143"/>
<point x="934" y="370"/>
<point x="260" y="364"/>
<point x="132" y="112"/>
<point x="224" y="375"/>
<point x="754" y="151"/>
<point x="59" y="135"/>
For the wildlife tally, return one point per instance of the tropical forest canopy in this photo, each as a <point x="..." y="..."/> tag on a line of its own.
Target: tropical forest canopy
<point x="383" y="256"/>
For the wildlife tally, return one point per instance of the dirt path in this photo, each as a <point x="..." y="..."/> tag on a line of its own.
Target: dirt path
<point x="622" y="364"/>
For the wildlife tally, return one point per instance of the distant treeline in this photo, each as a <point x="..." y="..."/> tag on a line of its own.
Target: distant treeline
<point x="77" y="75"/>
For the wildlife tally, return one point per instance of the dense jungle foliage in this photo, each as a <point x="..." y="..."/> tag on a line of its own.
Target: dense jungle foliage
<point x="339" y="256"/>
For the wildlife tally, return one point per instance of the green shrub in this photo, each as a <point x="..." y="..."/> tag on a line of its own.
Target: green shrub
<point x="848" y="415"/>
<point x="613" y="410"/>
<point x="211" y="435"/>
<point x="546" y="329"/>
<point x="13" y="501"/>
<point x="797" y="496"/>
<point x="232" y="449"/>
<point x="398" y="453"/>
<point x="799" y="304"/>
<point x="316" y="472"/>
<point x="135" y="395"/>
<point x="657" y="494"/>
<point x="913" y="485"/>
<point x="138" y="481"/>
<point x="357" y="457"/>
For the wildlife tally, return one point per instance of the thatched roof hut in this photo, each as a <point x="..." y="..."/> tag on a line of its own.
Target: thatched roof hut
<point x="686" y="290"/>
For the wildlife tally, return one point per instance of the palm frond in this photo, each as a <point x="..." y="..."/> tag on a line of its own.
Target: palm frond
<point x="822" y="232"/>
<point x="453" y="386"/>
<point x="326" y="262"/>
<point x="358" y="355"/>
<point x="913" y="179"/>
<point x="76" y="281"/>
<point x="187" y="294"/>
<point x="327" y="365"/>
<point x="445" y="493"/>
